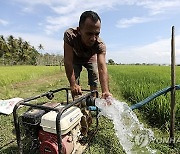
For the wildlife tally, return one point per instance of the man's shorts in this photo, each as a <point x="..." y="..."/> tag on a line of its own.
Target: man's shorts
<point x="92" y="73"/>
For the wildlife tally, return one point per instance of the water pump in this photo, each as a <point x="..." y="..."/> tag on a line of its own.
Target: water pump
<point x="55" y="128"/>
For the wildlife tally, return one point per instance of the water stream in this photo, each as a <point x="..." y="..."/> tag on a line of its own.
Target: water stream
<point x="132" y="135"/>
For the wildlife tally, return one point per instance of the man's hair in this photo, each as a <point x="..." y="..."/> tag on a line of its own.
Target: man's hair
<point x="88" y="14"/>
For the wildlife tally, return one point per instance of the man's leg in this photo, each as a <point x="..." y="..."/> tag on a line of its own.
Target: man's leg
<point x="77" y="71"/>
<point x="92" y="75"/>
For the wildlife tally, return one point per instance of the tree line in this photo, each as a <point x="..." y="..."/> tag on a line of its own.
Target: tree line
<point x="16" y="51"/>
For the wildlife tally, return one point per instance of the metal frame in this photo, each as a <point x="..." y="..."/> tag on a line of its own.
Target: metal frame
<point x="50" y="95"/>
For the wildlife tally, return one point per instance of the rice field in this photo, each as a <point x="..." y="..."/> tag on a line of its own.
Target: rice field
<point x="129" y="83"/>
<point x="135" y="83"/>
<point x="14" y="74"/>
<point x="13" y="77"/>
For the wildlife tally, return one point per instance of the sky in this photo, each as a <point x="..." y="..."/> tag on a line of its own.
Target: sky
<point x="134" y="31"/>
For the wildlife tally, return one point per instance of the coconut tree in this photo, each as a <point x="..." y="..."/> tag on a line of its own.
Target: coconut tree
<point x="40" y="47"/>
<point x="12" y="49"/>
<point x="24" y="52"/>
<point x="4" y="49"/>
<point x="33" y="54"/>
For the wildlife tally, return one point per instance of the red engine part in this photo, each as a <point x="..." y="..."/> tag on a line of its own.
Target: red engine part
<point x="49" y="145"/>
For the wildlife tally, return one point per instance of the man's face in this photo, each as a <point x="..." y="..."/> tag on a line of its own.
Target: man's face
<point x="90" y="32"/>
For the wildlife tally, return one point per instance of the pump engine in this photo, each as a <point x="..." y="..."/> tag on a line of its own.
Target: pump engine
<point x="55" y="128"/>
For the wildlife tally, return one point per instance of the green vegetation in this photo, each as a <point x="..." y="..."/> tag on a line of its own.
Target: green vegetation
<point x="16" y="51"/>
<point x="136" y="83"/>
<point x="11" y="77"/>
<point x="128" y="83"/>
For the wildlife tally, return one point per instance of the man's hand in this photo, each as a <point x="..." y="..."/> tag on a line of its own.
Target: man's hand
<point x="106" y="95"/>
<point x="76" y="90"/>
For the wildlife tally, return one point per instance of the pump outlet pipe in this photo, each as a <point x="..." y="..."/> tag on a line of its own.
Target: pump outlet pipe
<point x="153" y="96"/>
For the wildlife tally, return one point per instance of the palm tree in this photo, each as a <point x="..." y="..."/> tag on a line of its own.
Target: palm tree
<point x="40" y="59"/>
<point x="40" y="47"/>
<point x="24" y="55"/>
<point x="14" y="51"/>
<point x="3" y="44"/>
<point x="19" y="42"/>
<point x="11" y="45"/>
<point x="3" y="48"/>
<point x="33" y="56"/>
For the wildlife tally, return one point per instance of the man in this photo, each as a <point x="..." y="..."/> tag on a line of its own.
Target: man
<point x="84" y="47"/>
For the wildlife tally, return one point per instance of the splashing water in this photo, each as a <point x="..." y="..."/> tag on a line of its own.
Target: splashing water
<point x="132" y="135"/>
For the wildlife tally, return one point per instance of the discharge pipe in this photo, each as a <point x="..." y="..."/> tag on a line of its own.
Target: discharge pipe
<point x="90" y="101"/>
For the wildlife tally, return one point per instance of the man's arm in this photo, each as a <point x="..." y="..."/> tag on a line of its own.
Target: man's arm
<point x="103" y="75"/>
<point x="68" y="63"/>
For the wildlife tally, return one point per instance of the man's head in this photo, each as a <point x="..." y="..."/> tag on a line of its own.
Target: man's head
<point x="89" y="27"/>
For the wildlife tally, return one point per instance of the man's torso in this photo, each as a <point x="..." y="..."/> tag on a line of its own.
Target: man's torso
<point x="83" y="54"/>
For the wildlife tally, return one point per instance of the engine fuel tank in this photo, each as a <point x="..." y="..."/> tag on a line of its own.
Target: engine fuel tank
<point x="69" y="119"/>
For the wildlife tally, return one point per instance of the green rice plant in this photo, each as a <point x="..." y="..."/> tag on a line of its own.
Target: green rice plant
<point x="135" y="83"/>
<point x="14" y="74"/>
<point x="11" y="76"/>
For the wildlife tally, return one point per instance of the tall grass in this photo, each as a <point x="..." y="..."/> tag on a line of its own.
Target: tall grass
<point x="135" y="83"/>
<point x="12" y="75"/>
<point x="9" y="74"/>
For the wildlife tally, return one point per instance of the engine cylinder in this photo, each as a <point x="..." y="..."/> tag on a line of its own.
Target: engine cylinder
<point x="49" y="145"/>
